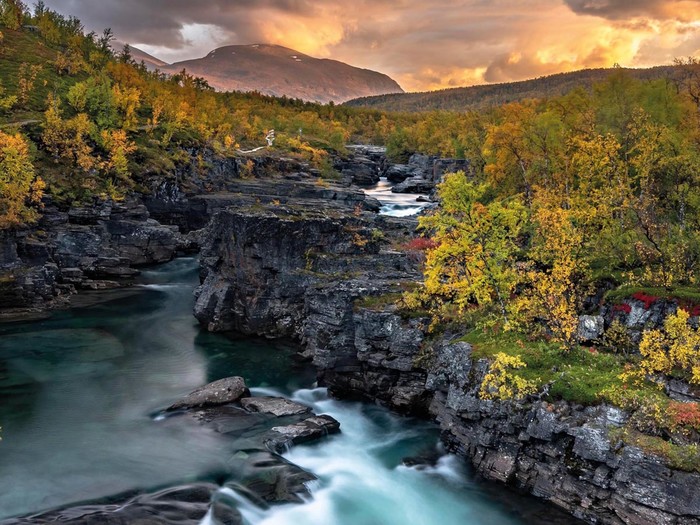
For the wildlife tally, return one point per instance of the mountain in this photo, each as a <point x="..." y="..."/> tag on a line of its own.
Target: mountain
<point x="489" y="95"/>
<point x="152" y="63"/>
<point x="279" y="71"/>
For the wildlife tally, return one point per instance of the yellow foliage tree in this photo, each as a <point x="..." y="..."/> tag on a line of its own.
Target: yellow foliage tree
<point x="501" y="383"/>
<point x="676" y="347"/>
<point x="119" y="147"/>
<point x="20" y="189"/>
<point x="67" y="140"/>
<point x="127" y="100"/>
<point x="27" y="77"/>
<point x="476" y="251"/>
<point x="556" y="275"/>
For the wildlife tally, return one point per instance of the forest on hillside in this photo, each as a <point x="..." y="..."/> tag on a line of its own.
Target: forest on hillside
<point x="490" y="95"/>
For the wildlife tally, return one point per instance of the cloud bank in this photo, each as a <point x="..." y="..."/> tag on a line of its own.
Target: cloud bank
<point x="424" y="44"/>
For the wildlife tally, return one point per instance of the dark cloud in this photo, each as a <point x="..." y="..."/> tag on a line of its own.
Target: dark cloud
<point x="510" y="67"/>
<point x="158" y="22"/>
<point x="624" y="9"/>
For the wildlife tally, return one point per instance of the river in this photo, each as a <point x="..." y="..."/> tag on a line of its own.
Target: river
<point x="395" y="204"/>
<point x="79" y="389"/>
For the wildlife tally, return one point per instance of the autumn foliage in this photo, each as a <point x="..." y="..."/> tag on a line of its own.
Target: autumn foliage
<point x="675" y="348"/>
<point x="20" y="189"/>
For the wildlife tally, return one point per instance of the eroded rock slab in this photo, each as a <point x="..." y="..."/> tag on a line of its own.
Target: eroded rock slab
<point x="277" y="406"/>
<point x="310" y="429"/>
<point x="219" y="392"/>
<point x="270" y="478"/>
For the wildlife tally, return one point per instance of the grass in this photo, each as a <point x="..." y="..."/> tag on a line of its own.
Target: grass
<point x="579" y="376"/>
<point x="378" y="302"/>
<point x="381" y="302"/>
<point x="24" y="47"/>
<point x="688" y="294"/>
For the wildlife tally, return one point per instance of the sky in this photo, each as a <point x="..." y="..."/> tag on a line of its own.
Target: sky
<point x="423" y="44"/>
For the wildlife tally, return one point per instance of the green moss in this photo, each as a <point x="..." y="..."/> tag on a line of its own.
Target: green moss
<point x="681" y="457"/>
<point x="378" y="302"/>
<point x="578" y="376"/>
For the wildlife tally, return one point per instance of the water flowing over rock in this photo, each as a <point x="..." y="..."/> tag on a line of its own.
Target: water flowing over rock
<point x="423" y="173"/>
<point x="259" y="430"/>
<point x="187" y="505"/>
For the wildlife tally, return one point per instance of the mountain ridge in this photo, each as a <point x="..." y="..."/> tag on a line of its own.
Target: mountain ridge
<point x="490" y="95"/>
<point x="279" y="71"/>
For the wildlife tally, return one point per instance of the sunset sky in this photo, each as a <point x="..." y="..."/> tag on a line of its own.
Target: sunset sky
<point x="423" y="44"/>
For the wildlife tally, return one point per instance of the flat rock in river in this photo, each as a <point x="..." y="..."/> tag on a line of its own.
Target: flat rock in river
<point x="277" y="406"/>
<point x="219" y="392"/>
<point x="310" y="429"/>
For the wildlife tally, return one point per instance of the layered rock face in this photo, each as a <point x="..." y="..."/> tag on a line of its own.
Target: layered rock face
<point x="318" y="277"/>
<point x="102" y="245"/>
<point x="298" y="272"/>
<point x="81" y="248"/>
<point x="559" y="452"/>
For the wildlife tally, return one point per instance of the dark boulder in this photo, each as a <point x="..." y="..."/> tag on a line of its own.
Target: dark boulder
<point x="398" y="173"/>
<point x="414" y="185"/>
<point x="281" y="438"/>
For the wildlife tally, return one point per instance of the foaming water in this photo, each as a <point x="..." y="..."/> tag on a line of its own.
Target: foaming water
<point x="362" y="480"/>
<point x="395" y="204"/>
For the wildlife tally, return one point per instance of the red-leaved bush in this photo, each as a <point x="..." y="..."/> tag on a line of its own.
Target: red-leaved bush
<point x="684" y="414"/>
<point x="692" y="309"/>
<point x="648" y="300"/>
<point x="421" y="244"/>
<point x="622" y="307"/>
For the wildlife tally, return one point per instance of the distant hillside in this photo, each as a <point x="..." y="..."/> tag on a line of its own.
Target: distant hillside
<point x="479" y="97"/>
<point x="279" y="71"/>
<point x="152" y="63"/>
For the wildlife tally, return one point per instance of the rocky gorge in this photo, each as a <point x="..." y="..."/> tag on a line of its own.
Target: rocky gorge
<point x="295" y="273"/>
<point x="284" y="256"/>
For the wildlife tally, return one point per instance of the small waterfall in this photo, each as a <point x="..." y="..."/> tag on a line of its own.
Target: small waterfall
<point x="395" y="204"/>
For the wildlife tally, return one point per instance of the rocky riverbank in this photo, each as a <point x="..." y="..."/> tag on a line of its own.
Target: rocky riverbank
<point x="330" y="278"/>
<point x="419" y="174"/>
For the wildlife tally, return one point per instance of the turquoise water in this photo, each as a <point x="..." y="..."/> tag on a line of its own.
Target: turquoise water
<point x="78" y="391"/>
